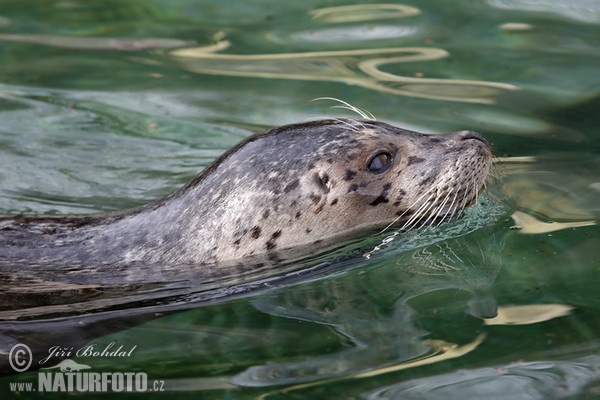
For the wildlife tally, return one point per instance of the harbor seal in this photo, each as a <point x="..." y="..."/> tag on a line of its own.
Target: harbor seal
<point x="303" y="184"/>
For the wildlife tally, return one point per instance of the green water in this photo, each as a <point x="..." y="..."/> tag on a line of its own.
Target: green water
<point x="109" y="105"/>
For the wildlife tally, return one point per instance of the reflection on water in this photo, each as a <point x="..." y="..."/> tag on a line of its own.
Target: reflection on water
<point x="583" y="10"/>
<point x="363" y="12"/>
<point x="356" y="67"/>
<point x="362" y="67"/>
<point x="371" y="309"/>
<point x="528" y="314"/>
<point x="85" y="43"/>
<point x="51" y="306"/>
<point x="551" y="197"/>
<point x="121" y="102"/>
<point x="543" y="380"/>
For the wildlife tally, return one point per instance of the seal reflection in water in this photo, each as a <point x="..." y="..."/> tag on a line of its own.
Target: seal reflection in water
<point x="302" y="184"/>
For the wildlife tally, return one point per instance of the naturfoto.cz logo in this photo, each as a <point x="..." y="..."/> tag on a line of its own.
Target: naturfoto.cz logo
<point x="71" y="376"/>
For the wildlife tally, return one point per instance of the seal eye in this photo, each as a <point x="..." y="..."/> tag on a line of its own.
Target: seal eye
<point x="380" y="162"/>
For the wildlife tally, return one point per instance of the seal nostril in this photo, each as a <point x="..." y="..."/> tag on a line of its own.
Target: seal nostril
<point x="472" y="135"/>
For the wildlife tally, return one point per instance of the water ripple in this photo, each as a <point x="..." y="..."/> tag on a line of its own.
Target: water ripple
<point x="356" y="67"/>
<point x="363" y="12"/>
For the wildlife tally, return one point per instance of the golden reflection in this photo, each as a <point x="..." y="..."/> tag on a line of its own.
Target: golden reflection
<point x="528" y="314"/>
<point x="516" y="26"/>
<point x="354" y="67"/>
<point x="548" y="193"/>
<point x="528" y="224"/>
<point x="440" y="89"/>
<point x="96" y="43"/>
<point x="363" y="12"/>
<point x="359" y="67"/>
<point x="441" y="351"/>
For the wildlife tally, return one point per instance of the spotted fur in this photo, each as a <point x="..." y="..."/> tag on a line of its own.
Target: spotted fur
<point x="302" y="184"/>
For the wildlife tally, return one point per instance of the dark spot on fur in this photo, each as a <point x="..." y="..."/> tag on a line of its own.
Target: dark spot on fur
<point x="308" y="230"/>
<point x="315" y="198"/>
<point x="291" y="186"/>
<point x="396" y="203"/>
<point x="453" y="150"/>
<point x="382" y="198"/>
<point x="330" y="160"/>
<point x="349" y="175"/>
<point x="298" y="215"/>
<point x="237" y="242"/>
<point x="255" y="232"/>
<point x="271" y="243"/>
<point x="242" y="233"/>
<point x="415" y="160"/>
<point x="353" y="188"/>
<point x="427" y="181"/>
<point x="379" y="200"/>
<point x="320" y="208"/>
<point x="265" y="214"/>
<point x="334" y="202"/>
<point x="240" y="267"/>
<point x="274" y="257"/>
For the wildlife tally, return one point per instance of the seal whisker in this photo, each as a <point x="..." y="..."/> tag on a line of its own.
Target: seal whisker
<point x="438" y="211"/>
<point x="452" y="210"/>
<point x="435" y="212"/>
<point x="409" y="208"/>
<point x="421" y="220"/>
<point x="422" y="208"/>
<point x="460" y="204"/>
<point x="457" y="208"/>
<point x="471" y="187"/>
<point x="465" y="199"/>
<point x="419" y="215"/>
<point x="478" y="191"/>
<point x="347" y="123"/>
<point x="348" y="106"/>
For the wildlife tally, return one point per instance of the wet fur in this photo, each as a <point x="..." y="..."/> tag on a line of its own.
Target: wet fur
<point x="300" y="184"/>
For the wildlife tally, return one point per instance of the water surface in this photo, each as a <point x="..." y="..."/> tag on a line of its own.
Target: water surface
<point x="111" y="105"/>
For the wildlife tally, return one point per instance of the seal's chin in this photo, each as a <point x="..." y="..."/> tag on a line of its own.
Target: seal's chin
<point x="445" y="207"/>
